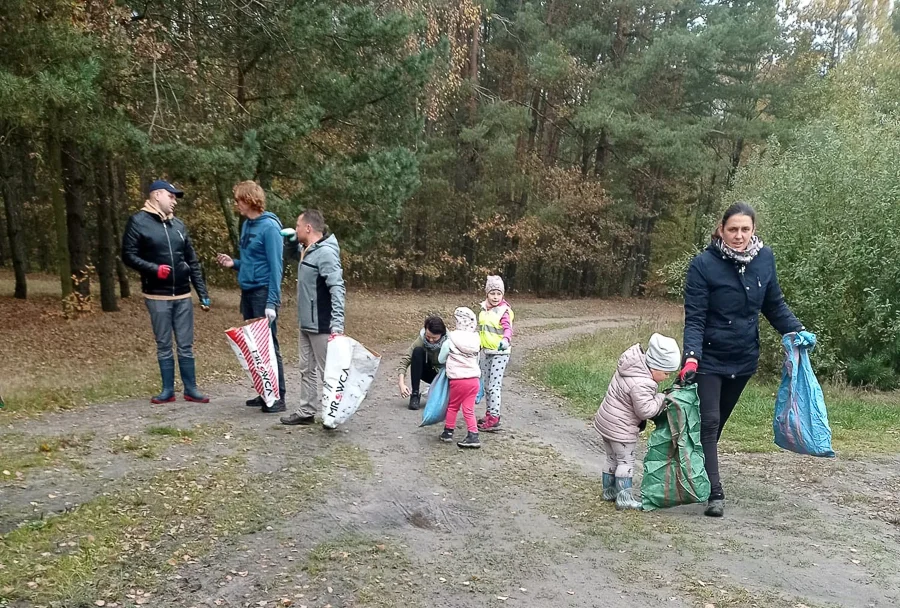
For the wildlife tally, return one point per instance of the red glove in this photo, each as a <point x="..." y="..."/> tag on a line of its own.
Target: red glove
<point x="688" y="372"/>
<point x="163" y="271"/>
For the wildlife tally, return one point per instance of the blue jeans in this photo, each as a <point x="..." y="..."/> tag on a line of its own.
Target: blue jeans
<point x="253" y="306"/>
<point x="168" y="316"/>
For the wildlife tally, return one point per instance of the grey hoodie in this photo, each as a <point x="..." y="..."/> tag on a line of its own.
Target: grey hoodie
<point x="320" y="288"/>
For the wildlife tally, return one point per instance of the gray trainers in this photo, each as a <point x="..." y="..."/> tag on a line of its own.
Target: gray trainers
<point x="447" y="435"/>
<point x="471" y="441"/>
<point x="625" y="499"/>
<point x="715" y="507"/>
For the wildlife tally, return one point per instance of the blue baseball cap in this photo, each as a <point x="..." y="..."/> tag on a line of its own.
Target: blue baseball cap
<point x="162" y="184"/>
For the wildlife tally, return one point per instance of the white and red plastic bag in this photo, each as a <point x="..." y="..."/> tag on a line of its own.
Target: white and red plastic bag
<point x="252" y="343"/>
<point x="349" y="370"/>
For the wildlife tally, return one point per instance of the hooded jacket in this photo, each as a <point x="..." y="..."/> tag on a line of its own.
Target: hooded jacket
<point x="262" y="257"/>
<point x="320" y="286"/>
<point x="631" y="397"/>
<point x="460" y="352"/>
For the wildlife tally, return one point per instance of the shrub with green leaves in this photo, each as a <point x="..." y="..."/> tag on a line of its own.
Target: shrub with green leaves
<point x="829" y="206"/>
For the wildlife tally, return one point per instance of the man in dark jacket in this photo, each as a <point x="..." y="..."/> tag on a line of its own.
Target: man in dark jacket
<point x="157" y="245"/>
<point x="260" y="269"/>
<point x="320" y="305"/>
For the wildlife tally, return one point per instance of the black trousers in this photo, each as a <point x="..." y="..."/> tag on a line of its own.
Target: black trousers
<point x="718" y="396"/>
<point x="420" y="370"/>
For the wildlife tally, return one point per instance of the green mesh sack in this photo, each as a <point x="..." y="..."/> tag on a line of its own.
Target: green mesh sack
<point x="674" y="472"/>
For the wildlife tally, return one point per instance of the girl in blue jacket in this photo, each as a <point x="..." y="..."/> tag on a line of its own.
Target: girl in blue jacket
<point x="727" y="286"/>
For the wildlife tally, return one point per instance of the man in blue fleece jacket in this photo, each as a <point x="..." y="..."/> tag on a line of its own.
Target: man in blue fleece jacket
<point x="259" y="270"/>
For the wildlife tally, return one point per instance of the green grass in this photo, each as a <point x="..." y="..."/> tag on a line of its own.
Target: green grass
<point x="376" y="573"/>
<point x="20" y="453"/>
<point x="168" y="431"/>
<point x="135" y="536"/>
<point x="580" y="371"/>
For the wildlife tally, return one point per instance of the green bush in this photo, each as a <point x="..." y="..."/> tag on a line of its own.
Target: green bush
<point x="829" y="206"/>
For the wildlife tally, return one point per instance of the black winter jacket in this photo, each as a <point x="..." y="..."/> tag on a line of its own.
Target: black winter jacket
<point x="149" y="243"/>
<point x="721" y="311"/>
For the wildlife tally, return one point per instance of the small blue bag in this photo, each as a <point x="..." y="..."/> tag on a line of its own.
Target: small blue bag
<point x="801" y="420"/>
<point x="435" y="409"/>
<point x="480" y="394"/>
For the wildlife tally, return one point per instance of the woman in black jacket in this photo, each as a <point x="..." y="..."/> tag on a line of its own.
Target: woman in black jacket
<point x="727" y="286"/>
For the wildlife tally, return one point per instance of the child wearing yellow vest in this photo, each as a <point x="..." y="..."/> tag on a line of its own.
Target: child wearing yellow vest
<point x="495" y="329"/>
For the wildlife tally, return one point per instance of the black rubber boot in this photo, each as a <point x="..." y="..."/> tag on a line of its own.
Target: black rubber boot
<point x="189" y="379"/>
<point x="167" y="371"/>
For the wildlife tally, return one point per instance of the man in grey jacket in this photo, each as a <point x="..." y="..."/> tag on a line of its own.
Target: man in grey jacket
<point x="320" y="303"/>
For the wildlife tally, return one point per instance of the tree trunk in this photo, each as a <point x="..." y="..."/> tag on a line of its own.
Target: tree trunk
<point x="54" y="167"/>
<point x="3" y="235"/>
<point x="228" y="213"/>
<point x="12" y="205"/>
<point x="106" y="249"/>
<point x="74" y="182"/>
<point x="587" y="150"/>
<point x="602" y="154"/>
<point x="119" y="196"/>
<point x="420" y="251"/>
<point x="29" y="171"/>
<point x="736" y="152"/>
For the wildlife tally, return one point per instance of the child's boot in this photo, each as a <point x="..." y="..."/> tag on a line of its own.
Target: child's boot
<point x="447" y="435"/>
<point x="471" y="441"/>
<point x="609" y="487"/>
<point x="625" y="499"/>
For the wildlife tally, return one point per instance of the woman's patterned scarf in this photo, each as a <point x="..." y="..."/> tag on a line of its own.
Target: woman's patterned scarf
<point x="428" y="345"/>
<point x="741" y="257"/>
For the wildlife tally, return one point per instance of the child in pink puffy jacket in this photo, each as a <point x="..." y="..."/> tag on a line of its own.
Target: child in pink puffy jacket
<point x="632" y="397"/>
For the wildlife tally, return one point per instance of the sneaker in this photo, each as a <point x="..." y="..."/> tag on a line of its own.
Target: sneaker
<point x="255" y="402"/>
<point x="296" y="418"/>
<point x="490" y="424"/>
<point x="278" y="406"/>
<point x="715" y="507"/>
<point x="447" y="435"/>
<point x="414" y="401"/>
<point x="471" y="441"/>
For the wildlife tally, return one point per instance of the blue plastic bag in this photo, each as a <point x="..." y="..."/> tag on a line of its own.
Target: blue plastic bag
<point x="480" y="394"/>
<point x="801" y="420"/>
<point x="435" y="409"/>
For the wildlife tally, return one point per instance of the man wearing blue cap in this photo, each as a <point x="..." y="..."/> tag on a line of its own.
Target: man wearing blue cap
<point x="157" y="245"/>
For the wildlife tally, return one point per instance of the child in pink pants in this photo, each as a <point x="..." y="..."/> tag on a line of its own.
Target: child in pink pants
<point x="460" y="354"/>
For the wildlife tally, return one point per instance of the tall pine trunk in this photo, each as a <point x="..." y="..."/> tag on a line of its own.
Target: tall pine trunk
<point x="57" y="198"/>
<point x="119" y="196"/>
<point x="228" y="214"/>
<point x="12" y="204"/>
<point x="75" y="182"/>
<point x="106" y="250"/>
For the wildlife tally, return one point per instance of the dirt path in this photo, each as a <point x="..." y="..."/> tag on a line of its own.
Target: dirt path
<point x="382" y="514"/>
